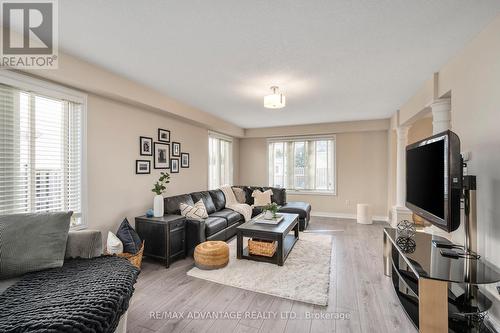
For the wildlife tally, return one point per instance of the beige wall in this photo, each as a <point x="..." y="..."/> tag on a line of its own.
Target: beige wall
<point x="114" y="190"/>
<point x="118" y="112"/>
<point x="472" y="78"/>
<point x="87" y="77"/>
<point x="391" y="170"/>
<point x="361" y="172"/>
<point x="318" y="129"/>
<point x="420" y="129"/>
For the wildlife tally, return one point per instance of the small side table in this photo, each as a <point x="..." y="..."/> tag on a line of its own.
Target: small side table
<point x="164" y="237"/>
<point x="364" y="215"/>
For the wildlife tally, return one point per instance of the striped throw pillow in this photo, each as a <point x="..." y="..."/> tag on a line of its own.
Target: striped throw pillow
<point x="199" y="211"/>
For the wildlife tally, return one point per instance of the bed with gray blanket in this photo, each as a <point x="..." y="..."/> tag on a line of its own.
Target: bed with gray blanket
<point x="84" y="295"/>
<point x="52" y="280"/>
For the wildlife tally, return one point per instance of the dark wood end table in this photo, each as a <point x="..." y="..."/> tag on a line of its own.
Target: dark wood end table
<point x="164" y="237"/>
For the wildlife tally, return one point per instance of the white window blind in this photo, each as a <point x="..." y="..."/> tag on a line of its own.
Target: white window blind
<point x="40" y="153"/>
<point x="302" y="164"/>
<point x="220" y="160"/>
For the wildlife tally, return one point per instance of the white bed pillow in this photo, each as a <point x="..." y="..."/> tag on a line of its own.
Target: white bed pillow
<point x="198" y="211"/>
<point x="261" y="198"/>
<point x="113" y="245"/>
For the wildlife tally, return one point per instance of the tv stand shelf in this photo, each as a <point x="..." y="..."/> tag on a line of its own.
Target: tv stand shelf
<point x="434" y="291"/>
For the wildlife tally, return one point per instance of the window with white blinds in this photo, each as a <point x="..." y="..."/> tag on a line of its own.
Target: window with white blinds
<point x="220" y="160"/>
<point x="40" y="153"/>
<point x="303" y="164"/>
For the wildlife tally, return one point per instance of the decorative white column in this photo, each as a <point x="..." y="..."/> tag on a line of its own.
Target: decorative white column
<point x="441" y="121"/>
<point x="441" y="115"/>
<point x="400" y="212"/>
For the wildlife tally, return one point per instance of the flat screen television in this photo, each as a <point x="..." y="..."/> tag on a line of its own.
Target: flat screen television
<point x="434" y="179"/>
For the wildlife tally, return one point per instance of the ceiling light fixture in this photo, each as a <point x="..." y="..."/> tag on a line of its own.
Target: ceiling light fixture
<point x="275" y="100"/>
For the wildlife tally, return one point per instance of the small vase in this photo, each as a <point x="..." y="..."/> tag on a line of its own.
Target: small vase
<point x="158" y="210"/>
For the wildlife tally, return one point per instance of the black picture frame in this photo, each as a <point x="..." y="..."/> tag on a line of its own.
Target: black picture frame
<point x="163" y="135"/>
<point x="176" y="149"/>
<point x="141" y="171"/>
<point x="174" y="168"/>
<point x="145" y="143"/>
<point x="161" y="155"/>
<point x="184" y="162"/>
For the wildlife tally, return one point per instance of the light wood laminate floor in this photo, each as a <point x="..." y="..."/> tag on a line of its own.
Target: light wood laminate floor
<point x="167" y="300"/>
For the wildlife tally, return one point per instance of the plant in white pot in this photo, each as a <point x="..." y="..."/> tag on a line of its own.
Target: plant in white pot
<point x="159" y="188"/>
<point x="270" y="211"/>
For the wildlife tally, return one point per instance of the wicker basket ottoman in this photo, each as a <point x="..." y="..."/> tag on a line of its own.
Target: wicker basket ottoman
<point x="211" y="255"/>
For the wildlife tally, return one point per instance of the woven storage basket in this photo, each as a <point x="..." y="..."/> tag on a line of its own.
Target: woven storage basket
<point x="260" y="247"/>
<point x="135" y="259"/>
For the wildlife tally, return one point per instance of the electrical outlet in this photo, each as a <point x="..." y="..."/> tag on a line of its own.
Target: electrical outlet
<point x="465" y="155"/>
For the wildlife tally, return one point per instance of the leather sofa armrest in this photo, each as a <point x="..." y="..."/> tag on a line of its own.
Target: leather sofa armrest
<point x="83" y="244"/>
<point x="195" y="234"/>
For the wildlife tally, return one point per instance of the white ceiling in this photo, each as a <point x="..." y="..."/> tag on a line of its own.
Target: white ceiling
<point x="334" y="60"/>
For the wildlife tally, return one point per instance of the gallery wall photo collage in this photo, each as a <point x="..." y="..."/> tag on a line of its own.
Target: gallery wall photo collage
<point x="166" y="154"/>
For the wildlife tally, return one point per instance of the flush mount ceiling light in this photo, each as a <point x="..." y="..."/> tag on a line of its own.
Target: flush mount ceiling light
<point x="275" y="100"/>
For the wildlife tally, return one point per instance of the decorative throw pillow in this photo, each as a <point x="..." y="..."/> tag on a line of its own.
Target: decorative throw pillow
<point x="261" y="198"/>
<point x="130" y="239"/>
<point x="32" y="242"/>
<point x="240" y="195"/>
<point x="199" y="211"/>
<point x="113" y="245"/>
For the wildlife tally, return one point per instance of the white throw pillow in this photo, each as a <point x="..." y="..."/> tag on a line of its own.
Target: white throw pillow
<point x="199" y="211"/>
<point x="114" y="245"/>
<point x="261" y="198"/>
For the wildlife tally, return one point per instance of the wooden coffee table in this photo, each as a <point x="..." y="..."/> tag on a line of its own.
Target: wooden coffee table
<point x="279" y="233"/>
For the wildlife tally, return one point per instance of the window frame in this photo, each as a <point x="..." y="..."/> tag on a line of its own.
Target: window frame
<point x="332" y="137"/>
<point x="219" y="136"/>
<point x="57" y="91"/>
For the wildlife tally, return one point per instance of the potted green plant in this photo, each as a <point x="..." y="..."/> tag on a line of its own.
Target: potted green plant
<point x="270" y="211"/>
<point x="158" y="188"/>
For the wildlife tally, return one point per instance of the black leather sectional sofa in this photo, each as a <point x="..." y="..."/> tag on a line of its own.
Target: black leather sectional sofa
<point x="222" y="222"/>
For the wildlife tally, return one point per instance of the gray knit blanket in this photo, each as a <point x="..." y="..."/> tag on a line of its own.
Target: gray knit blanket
<point x="84" y="295"/>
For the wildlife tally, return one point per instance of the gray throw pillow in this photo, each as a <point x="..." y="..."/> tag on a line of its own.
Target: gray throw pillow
<point x="32" y="242"/>
<point x="240" y="195"/>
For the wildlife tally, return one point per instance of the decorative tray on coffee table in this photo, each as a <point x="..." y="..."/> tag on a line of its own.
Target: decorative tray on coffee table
<point x="261" y="219"/>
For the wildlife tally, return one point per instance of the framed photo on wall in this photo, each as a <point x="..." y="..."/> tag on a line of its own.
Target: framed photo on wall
<point x="146" y="146"/>
<point x="163" y="135"/>
<point x="176" y="149"/>
<point x="162" y="155"/>
<point x="142" y="167"/>
<point x="184" y="160"/>
<point x="175" y="165"/>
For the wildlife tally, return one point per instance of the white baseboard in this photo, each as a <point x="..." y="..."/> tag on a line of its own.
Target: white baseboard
<point x="347" y="216"/>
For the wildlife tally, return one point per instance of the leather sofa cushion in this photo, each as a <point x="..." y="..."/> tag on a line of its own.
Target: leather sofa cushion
<point x="297" y="207"/>
<point x="279" y="195"/>
<point x="214" y="224"/>
<point x="231" y="216"/>
<point x="256" y="211"/>
<point x="207" y="200"/>
<point x="172" y="203"/>
<point x="218" y="199"/>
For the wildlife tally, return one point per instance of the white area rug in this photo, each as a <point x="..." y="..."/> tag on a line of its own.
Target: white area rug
<point x="305" y="276"/>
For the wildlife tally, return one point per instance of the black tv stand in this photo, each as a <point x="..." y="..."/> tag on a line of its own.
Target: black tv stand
<point x="438" y="294"/>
